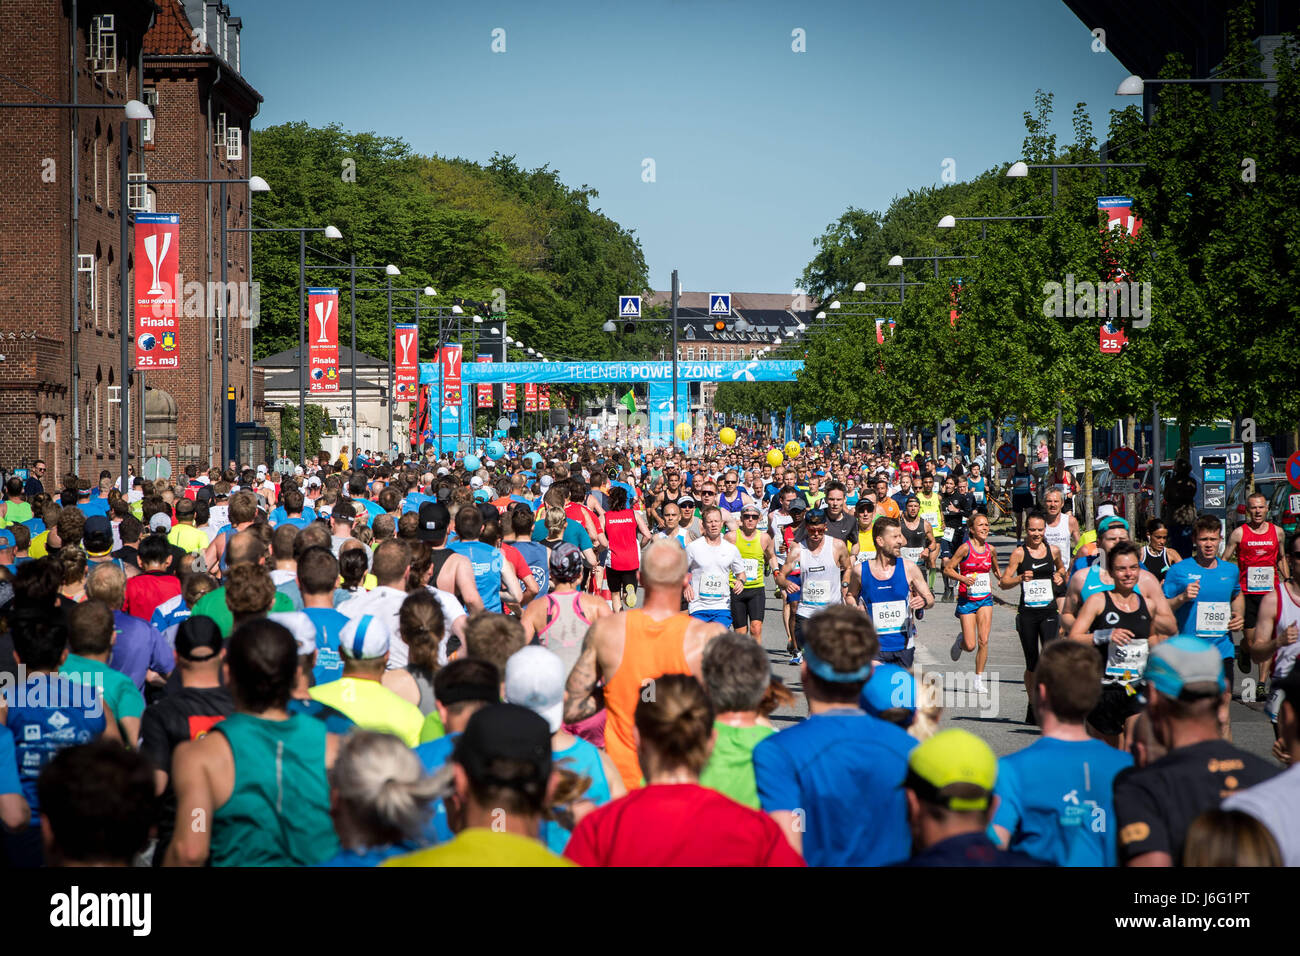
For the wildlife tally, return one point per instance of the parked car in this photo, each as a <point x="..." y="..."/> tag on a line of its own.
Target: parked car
<point x="1279" y="491"/>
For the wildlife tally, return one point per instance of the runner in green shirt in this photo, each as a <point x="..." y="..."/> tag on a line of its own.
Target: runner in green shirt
<point x="737" y="676"/>
<point x="90" y="642"/>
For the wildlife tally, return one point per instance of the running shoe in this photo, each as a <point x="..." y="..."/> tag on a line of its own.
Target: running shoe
<point x="957" y="648"/>
<point x="629" y="595"/>
<point x="797" y="659"/>
<point x="979" y="685"/>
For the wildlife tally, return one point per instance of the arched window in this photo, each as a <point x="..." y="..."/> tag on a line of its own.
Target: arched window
<point x="704" y="353"/>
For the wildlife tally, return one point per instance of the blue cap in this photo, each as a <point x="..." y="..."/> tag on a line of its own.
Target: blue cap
<point x="1186" y="667"/>
<point x="1108" y="522"/>
<point x="889" y="688"/>
<point x="7" y="539"/>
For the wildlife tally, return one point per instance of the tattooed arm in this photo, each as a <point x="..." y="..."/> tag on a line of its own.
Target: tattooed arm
<point x="580" y="700"/>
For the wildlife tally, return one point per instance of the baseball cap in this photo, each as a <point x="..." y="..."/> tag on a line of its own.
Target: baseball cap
<point x="297" y="470"/>
<point x="300" y="626"/>
<point x="434" y="517"/>
<point x="545" y="482"/>
<point x="443" y="471"/>
<point x="954" y="769"/>
<point x="535" y="679"/>
<point x="313" y="481"/>
<point x="97" y="535"/>
<point x="890" y="687"/>
<point x="7" y="539"/>
<point x="160" y="522"/>
<point x="482" y="495"/>
<point x="364" y="638"/>
<point x="798" y="504"/>
<point x="566" y="562"/>
<point x="476" y="482"/>
<point x="1186" y="667"/>
<point x="816" y="516"/>
<point x="686" y="500"/>
<point x="261" y="469"/>
<point x="506" y="732"/>
<point x="751" y="510"/>
<point x="196" y="633"/>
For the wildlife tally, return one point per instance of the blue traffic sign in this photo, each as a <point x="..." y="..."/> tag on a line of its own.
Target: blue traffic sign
<point x="1123" y="462"/>
<point x="720" y="303"/>
<point x="629" y="306"/>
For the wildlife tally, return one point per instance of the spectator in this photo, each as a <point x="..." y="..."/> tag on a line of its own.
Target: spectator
<point x="98" y="805"/>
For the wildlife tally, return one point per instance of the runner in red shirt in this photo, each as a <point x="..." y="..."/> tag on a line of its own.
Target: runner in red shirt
<point x="1256" y="547"/>
<point x="673" y="821"/>
<point x="144" y="592"/>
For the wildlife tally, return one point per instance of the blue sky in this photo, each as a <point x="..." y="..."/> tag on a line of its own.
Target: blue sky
<point x="756" y="148"/>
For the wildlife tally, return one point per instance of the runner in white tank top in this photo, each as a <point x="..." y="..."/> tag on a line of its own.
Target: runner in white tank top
<point x="1279" y="611"/>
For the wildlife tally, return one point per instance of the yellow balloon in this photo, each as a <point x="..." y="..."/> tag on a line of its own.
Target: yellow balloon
<point x="684" y="431"/>
<point x="774" y="457"/>
<point x="792" y="449"/>
<point x="727" y="436"/>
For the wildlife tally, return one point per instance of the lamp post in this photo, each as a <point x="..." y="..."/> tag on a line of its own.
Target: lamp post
<point x="949" y="222"/>
<point x="1020" y="170"/>
<point x="330" y="233"/>
<point x="428" y="290"/>
<point x="1133" y="85"/>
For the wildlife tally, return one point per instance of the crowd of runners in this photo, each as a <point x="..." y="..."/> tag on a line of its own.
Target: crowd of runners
<point x="555" y="656"/>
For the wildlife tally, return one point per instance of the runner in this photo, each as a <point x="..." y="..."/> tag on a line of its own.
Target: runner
<point x="758" y="554"/>
<point x="1022" y="492"/>
<point x="1037" y="567"/>
<point x="1120" y="624"/>
<point x="1278" y="629"/>
<point x="624" y="529"/>
<point x="560" y="620"/>
<point x="886" y="507"/>
<point x="1261" y="544"/>
<point x="736" y="674"/>
<point x="891" y="590"/>
<point x="1205" y="594"/>
<point x="824" y="571"/>
<point x="972" y="565"/>
<point x="626" y="650"/>
<point x="713" y="562"/>
<point x="1157" y="556"/>
<point x="1062" y="531"/>
<point x="919" y="545"/>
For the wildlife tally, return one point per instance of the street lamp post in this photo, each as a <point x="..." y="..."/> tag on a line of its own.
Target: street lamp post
<point x="330" y="233"/>
<point x="1020" y="170"/>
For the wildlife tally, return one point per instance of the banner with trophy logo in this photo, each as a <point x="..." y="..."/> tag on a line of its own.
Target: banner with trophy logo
<point x="406" y="361"/>
<point x="484" y="391"/>
<point x="157" y="300"/>
<point x="530" y="397"/>
<point x="544" y="398"/>
<point x="509" y="400"/>
<point x="450" y="359"/>
<point x="323" y="340"/>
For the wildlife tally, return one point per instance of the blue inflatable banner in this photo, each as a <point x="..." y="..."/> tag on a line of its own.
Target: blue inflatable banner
<point x="577" y="372"/>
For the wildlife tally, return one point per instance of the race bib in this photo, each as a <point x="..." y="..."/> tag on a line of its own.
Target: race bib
<point x="889" y="616"/>
<point x="1212" y="618"/>
<point x="816" y="592"/>
<point x="1259" y="580"/>
<point x="980" y="588"/>
<point x="1038" y="592"/>
<point x="912" y="554"/>
<point x="863" y="557"/>
<point x="1126" y="664"/>
<point x="948" y="533"/>
<point x="713" y="584"/>
<point x="979" y="497"/>
<point x="751" y="569"/>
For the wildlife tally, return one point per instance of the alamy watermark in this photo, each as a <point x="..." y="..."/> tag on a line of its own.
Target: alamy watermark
<point x="243" y="301"/>
<point x="1087" y="300"/>
<point x="80" y="691"/>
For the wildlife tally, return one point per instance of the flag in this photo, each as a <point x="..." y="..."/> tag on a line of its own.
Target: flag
<point x="629" y="402"/>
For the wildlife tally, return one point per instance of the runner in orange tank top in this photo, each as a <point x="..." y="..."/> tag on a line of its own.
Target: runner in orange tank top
<point x="629" y="650"/>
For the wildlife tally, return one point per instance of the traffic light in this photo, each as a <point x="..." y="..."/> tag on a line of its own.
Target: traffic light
<point x="720" y="326"/>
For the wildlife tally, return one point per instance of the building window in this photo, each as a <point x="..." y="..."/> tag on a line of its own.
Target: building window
<point x="690" y="354"/>
<point x="103" y="44"/>
<point x="149" y="95"/>
<point x="220" y="139"/>
<point x="86" y="267"/>
<point x="234" y="143"/>
<point x="94" y="165"/>
<point x="137" y="192"/>
<point x="704" y="353"/>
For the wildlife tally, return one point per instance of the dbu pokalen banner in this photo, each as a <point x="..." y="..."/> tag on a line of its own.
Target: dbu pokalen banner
<point x="484" y="391"/>
<point x="157" y="261"/>
<point x="406" y="361"/>
<point x="530" y="397"/>
<point x="509" y="399"/>
<point x="323" y="340"/>
<point x="450" y="358"/>
<point x="544" y="399"/>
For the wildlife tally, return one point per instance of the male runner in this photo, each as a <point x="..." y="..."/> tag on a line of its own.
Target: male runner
<point x="825" y="572"/>
<point x="759" y="554"/>
<point x="891" y="590"/>
<point x="1261" y="544"/>
<point x="709" y="561"/>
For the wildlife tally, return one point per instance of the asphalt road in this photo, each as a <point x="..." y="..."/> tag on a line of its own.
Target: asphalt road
<point x="999" y="716"/>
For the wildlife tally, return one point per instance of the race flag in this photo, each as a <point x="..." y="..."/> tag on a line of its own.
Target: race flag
<point x="629" y="402"/>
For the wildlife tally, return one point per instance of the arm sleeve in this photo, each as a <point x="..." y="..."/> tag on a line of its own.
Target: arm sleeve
<point x="776" y="777"/>
<point x="1141" y="828"/>
<point x="130" y="703"/>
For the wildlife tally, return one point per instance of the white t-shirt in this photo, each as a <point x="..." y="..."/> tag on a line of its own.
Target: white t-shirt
<point x="1273" y="804"/>
<point x="386" y="603"/>
<point x="710" y="566"/>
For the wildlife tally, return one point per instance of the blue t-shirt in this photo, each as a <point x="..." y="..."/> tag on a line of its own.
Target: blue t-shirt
<point x="95" y="506"/>
<point x="9" y="782"/>
<point x="844" y="771"/>
<point x="65" y="712"/>
<point x="170" y="613"/>
<point x="574" y="533"/>
<point x="368" y="510"/>
<point x="433" y="755"/>
<point x="1056" y="800"/>
<point x="329" y="625"/>
<point x="279" y="516"/>
<point x="371" y="857"/>
<point x="631" y="492"/>
<point x="487" y="563"/>
<point x="1219" y="585"/>
<point x="413" y="500"/>
<point x="539" y="562"/>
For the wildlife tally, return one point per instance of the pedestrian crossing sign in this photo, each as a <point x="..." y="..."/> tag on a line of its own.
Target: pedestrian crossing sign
<point x="629" y="306"/>
<point x="720" y="303"/>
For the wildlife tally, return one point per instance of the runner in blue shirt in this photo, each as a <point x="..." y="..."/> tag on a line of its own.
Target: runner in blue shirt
<point x="834" y="783"/>
<point x="14" y="812"/>
<point x="318" y="570"/>
<point x="1205" y="594"/>
<point x="1055" y="796"/>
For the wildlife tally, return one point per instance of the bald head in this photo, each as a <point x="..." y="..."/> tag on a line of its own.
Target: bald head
<point x="246" y="547"/>
<point x="107" y="583"/>
<point x="663" y="566"/>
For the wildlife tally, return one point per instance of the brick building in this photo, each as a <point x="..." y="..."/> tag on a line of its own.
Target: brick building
<point x="60" y="245"/>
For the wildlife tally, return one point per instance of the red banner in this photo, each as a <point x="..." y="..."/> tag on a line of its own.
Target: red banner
<point x="530" y="397"/>
<point x="323" y="340"/>
<point x="510" y="399"/>
<point x="406" y="361"/>
<point x="157" y="300"/>
<point x="484" y="390"/>
<point x="450" y="357"/>
<point x="544" y="399"/>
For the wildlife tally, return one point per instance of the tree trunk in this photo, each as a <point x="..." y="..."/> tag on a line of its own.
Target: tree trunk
<point x="1087" y="469"/>
<point x="1185" y="440"/>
